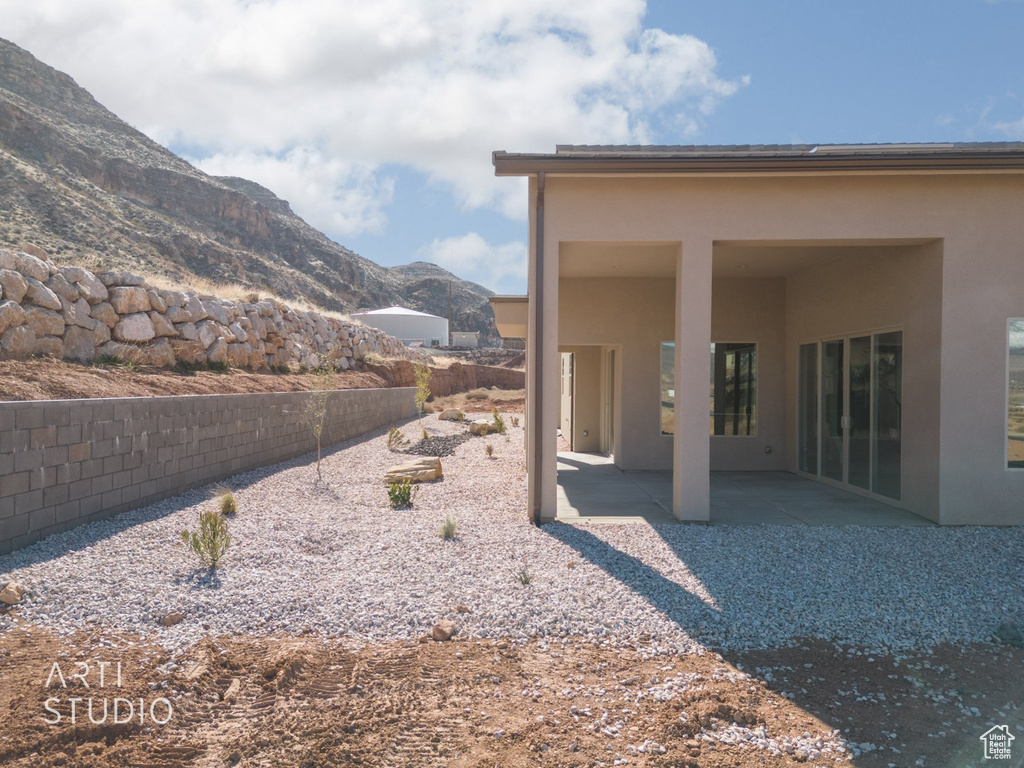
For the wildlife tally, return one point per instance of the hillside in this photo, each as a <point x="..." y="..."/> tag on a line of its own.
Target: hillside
<point x="79" y="182"/>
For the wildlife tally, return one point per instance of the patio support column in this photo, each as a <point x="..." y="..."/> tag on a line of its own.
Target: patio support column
<point x="542" y="366"/>
<point x="691" y="487"/>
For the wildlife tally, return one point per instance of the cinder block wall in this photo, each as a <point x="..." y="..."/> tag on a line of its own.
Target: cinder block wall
<point x="68" y="462"/>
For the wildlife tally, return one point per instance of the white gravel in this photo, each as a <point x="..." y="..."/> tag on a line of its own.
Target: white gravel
<point x="333" y="558"/>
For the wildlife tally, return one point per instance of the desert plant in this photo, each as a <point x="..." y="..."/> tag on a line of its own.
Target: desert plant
<point x="499" y="422"/>
<point x="422" y="375"/>
<point x="211" y="541"/>
<point x="321" y="384"/>
<point x="478" y="394"/>
<point x="401" y="494"/>
<point x="523" y="573"/>
<point x="515" y="421"/>
<point x="449" y="528"/>
<point x="489" y="450"/>
<point x="423" y="431"/>
<point x="225" y="499"/>
<point x="396" y="439"/>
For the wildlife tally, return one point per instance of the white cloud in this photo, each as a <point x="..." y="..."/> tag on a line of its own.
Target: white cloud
<point x="502" y="268"/>
<point x="1013" y="128"/>
<point x="313" y="97"/>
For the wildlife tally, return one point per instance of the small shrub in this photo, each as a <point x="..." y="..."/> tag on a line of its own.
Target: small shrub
<point x="478" y="394"/>
<point x="225" y="500"/>
<point x="401" y="494"/>
<point x="423" y="430"/>
<point x="515" y="421"/>
<point x="422" y="375"/>
<point x="219" y="366"/>
<point x="523" y="573"/>
<point x="396" y="439"/>
<point x="449" y="528"/>
<point x="489" y="450"/>
<point x="211" y="541"/>
<point x="499" y="423"/>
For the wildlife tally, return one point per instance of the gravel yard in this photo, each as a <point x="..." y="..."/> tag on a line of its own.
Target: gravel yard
<point x="332" y="557"/>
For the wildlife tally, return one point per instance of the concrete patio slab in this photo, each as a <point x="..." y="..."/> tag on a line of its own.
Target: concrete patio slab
<point x="591" y="489"/>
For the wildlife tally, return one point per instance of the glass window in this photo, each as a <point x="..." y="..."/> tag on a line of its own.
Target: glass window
<point x="1015" y="404"/>
<point x="734" y="389"/>
<point x="668" y="387"/>
<point x="733" y="392"/>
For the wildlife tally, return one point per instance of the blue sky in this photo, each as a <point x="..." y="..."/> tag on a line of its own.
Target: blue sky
<point x="376" y="120"/>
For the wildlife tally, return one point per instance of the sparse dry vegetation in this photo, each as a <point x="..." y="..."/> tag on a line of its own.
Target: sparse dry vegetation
<point x="211" y="541"/>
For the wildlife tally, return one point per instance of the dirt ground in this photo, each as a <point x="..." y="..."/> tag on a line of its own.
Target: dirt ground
<point x="47" y="379"/>
<point x="301" y="701"/>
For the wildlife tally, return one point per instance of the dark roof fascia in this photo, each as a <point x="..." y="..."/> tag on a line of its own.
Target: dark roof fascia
<point x="509" y="164"/>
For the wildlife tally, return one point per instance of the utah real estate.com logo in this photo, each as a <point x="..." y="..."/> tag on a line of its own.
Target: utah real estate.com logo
<point x="998" y="742"/>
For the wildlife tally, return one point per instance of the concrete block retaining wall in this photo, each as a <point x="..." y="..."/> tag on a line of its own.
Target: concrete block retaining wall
<point x="64" y="463"/>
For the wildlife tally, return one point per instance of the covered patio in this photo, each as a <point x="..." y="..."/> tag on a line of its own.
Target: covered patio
<point x="591" y="489"/>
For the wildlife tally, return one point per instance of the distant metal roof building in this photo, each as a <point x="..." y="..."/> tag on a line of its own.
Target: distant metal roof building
<point x="409" y="326"/>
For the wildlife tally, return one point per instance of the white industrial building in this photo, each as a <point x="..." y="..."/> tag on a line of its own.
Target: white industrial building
<point x="410" y="327"/>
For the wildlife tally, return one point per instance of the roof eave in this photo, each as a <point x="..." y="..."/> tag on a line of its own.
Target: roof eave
<point x="506" y="164"/>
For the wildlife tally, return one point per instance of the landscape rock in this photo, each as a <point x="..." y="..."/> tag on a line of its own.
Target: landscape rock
<point x="127" y="300"/>
<point x="14" y="285"/>
<point x="187" y="351"/>
<point x="12" y="593"/>
<point x="105" y="313"/>
<point x="60" y="286"/>
<point x="417" y="471"/>
<point x="40" y="295"/>
<point x="91" y="288"/>
<point x="31" y="266"/>
<point x="17" y="342"/>
<point x="172" y="618"/>
<point x="80" y="344"/>
<point x="49" y="346"/>
<point x="161" y="325"/>
<point x="217" y="352"/>
<point x="442" y="631"/>
<point x="160" y="353"/>
<point x="482" y="427"/>
<point x="11" y="315"/>
<point x="451" y="414"/>
<point x="77" y="313"/>
<point x="1009" y="634"/>
<point x="44" y="322"/>
<point x="156" y="301"/>
<point x="134" y="328"/>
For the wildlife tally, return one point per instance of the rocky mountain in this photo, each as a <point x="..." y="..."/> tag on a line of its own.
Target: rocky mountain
<point x="90" y="190"/>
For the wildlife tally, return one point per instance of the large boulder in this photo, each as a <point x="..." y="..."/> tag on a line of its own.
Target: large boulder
<point x="11" y="315"/>
<point x="44" y="322"/>
<point x="31" y="266"/>
<point x="14" y="285"/>
<point x="105" y="314"/>
<point x="17" y="342"/>
<point x="77" y="312"/>
<point x="209" y="332"/>
<point x="91" y="288"/>
<point x="451" y="414"/>
<point x="160" y="353"/>
<point x="191" y="352"/>
<point x="482" y="427"/>
<point x="80" y="344"/>
<point x="217" y="352"/>
<point x="135" y="328"/>
<point x="60" y="286"/>
<point x="161" y="325"/>
<point x="49" y="346"/>
<point x="40" y="295"/>
<point x="128" y="300"/>
<point x="419" y="470"/>
<point x="156" y="301"/>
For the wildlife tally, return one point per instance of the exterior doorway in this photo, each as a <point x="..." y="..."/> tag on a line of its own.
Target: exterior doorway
<point x="849" y="412"/>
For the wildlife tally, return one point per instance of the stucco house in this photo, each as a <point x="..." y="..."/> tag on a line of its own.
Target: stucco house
<point x="853" y="314"/>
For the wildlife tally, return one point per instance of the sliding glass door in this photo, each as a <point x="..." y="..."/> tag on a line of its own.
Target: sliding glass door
<point x="849" y="411"/>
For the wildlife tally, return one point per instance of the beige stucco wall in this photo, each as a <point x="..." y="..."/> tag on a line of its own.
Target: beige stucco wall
<point x="975" y="216"/>
<point x="744" y="310"/>
<point x="872" y="289"/>
<point x="637" y="315"/>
